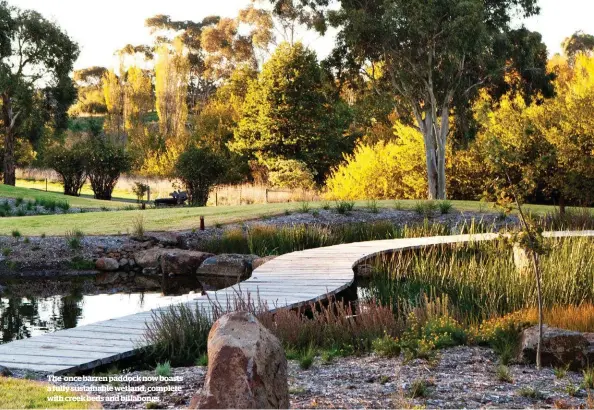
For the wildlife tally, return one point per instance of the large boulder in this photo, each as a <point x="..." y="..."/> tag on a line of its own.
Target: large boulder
<point x="247" y="367"/>
<point x="560" y="347"/>
<point x="182" y="262"/>
<point x="227" y="264"/>
<point x="107" y="264"/>
<point x="149" y="258"/>
<point x="170" y="261"/>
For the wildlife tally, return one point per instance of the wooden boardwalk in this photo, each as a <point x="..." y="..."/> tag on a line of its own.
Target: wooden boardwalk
<point x="288" y="281"/>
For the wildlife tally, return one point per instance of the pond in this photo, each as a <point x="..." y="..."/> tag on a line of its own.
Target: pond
<point x="23" y="317"/>
<point x="36" y="306"/>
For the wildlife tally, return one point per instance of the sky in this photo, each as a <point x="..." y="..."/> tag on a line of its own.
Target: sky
<point x="102" y="27"/>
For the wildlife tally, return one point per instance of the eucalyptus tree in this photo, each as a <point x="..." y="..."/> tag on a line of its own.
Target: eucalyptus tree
<point x="434" y="57"/>
<point x="36" y="58"/>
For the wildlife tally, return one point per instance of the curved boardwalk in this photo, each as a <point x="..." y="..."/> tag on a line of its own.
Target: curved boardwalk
<point x="288" y="281"/>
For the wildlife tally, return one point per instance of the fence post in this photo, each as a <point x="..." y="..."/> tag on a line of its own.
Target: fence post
<point x="46" y="185"/>
<point x="240" y="195"/>
<point x="148" y="194"/>
<point x="201" y="223"/>
<point x="216" y="197"/>
<point x="266" y="190"/>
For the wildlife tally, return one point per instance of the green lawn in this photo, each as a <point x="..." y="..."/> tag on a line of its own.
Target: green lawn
<point x="7" y="191"/>
<point x="27" y="394"/>
<point x="172" y="219"/>
<point x="59" y="189"/>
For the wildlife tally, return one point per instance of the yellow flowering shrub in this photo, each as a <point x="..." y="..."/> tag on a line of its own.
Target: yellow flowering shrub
<point x="384" y="170"/>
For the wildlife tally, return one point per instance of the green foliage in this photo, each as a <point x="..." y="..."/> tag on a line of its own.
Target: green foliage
<point x="6" y="252"/>
<point x="386" y="346"/>
<point x="202" y="360"/>
<point x="426" y="208"/>
<point x="140" y="190"/>
<point x="74" y="239"/>
<point x="69" y="163"/>
<point x="530" y="392"/>
<point x="304" y="207"/>
<point x="445" y="207"/>
<point x="105" y="162"/>
<point x="306" y="358"/>
<point x="288" y="115"/>
<point x="177" y="334"/>
<point x="163" y="369"/>
<point x="344" y="207"/>
<point x="503" y="374"/>
<point x="560" y="372"/>
<point x="481" y="279"/>
<point x="588" y="378"/>
<point x="199" y="169"/>
<point x="418" y="389"/>
<point x="16" y="233"/>
<point x="79" y="263"/>
<point x="290" y="174"/>
<point x="372" y="206"/>
<point x="33" y="47"/>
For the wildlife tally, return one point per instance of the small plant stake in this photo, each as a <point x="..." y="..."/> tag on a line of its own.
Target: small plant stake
<point x="201" y="223"/>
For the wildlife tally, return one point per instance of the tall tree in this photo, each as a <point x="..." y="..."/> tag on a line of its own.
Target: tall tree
<point x="90" y="99"/>
<point x="138" y="100"/>
<point x="579" y="42"/>
<point x="171" y="83"/>
<point x="433" y="55"/>
<point x="189" y="33"/>
<point x="35" y="54"/>
<point x="114" y="94"/>
<point x="287" y="114"/>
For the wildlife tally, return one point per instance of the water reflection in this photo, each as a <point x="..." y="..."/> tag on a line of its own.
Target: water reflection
<point x="23" y="317"/>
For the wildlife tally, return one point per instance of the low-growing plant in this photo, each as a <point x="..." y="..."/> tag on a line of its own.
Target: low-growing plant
<point x="27" y="240"/>
<point x="16" y="233"/>
<point x="202" y="360"/>
<point x="6" y="252"/>
<point x="426" y="208"/>
<point x="21" y="212"/>
<point x="177" y="334"/>
<point x="530" y="392"/>
<point x="42" y="235"/>
<point x="560" y="372"/>
<point x="386" y="346"/>
<point x="287" y="212"/>
<point x="372" y="206"/>
<point x="74" y="238"/>
<point x="503" y="374"/>
<point x="419" y="389"/>
<point x="138" y="229"/>
<point x="306" y="358"/>
<point x="18" y="201"/>
<point x="304" y="207"/>
<point x="398" y="206"/>
<point x="344" y="207"/>
<point x="326" y="205"/>
<point x="445" y="207"/>
<point x="588" y="378"/>
<point x="572" y="390"/>
<point x="163" y="369"/>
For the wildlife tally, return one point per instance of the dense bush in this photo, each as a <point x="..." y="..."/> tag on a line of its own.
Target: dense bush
<point x="105" y="162"/>
<point x="394" y="169"/>
<point x="69" y="163"/>
<point x="199" y="169"/>
<point x="290" y="173"/>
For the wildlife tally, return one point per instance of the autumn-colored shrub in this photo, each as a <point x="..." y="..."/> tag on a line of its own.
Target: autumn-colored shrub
<point x="386" y="170"/>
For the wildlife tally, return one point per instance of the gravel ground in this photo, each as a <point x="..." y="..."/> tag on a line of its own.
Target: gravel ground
<point x="461" y="377"/>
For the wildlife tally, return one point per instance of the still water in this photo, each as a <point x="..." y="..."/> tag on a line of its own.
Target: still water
<point x="22" y="317"/>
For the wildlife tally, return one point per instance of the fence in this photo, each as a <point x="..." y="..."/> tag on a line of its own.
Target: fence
<point x="243" y="194"/>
